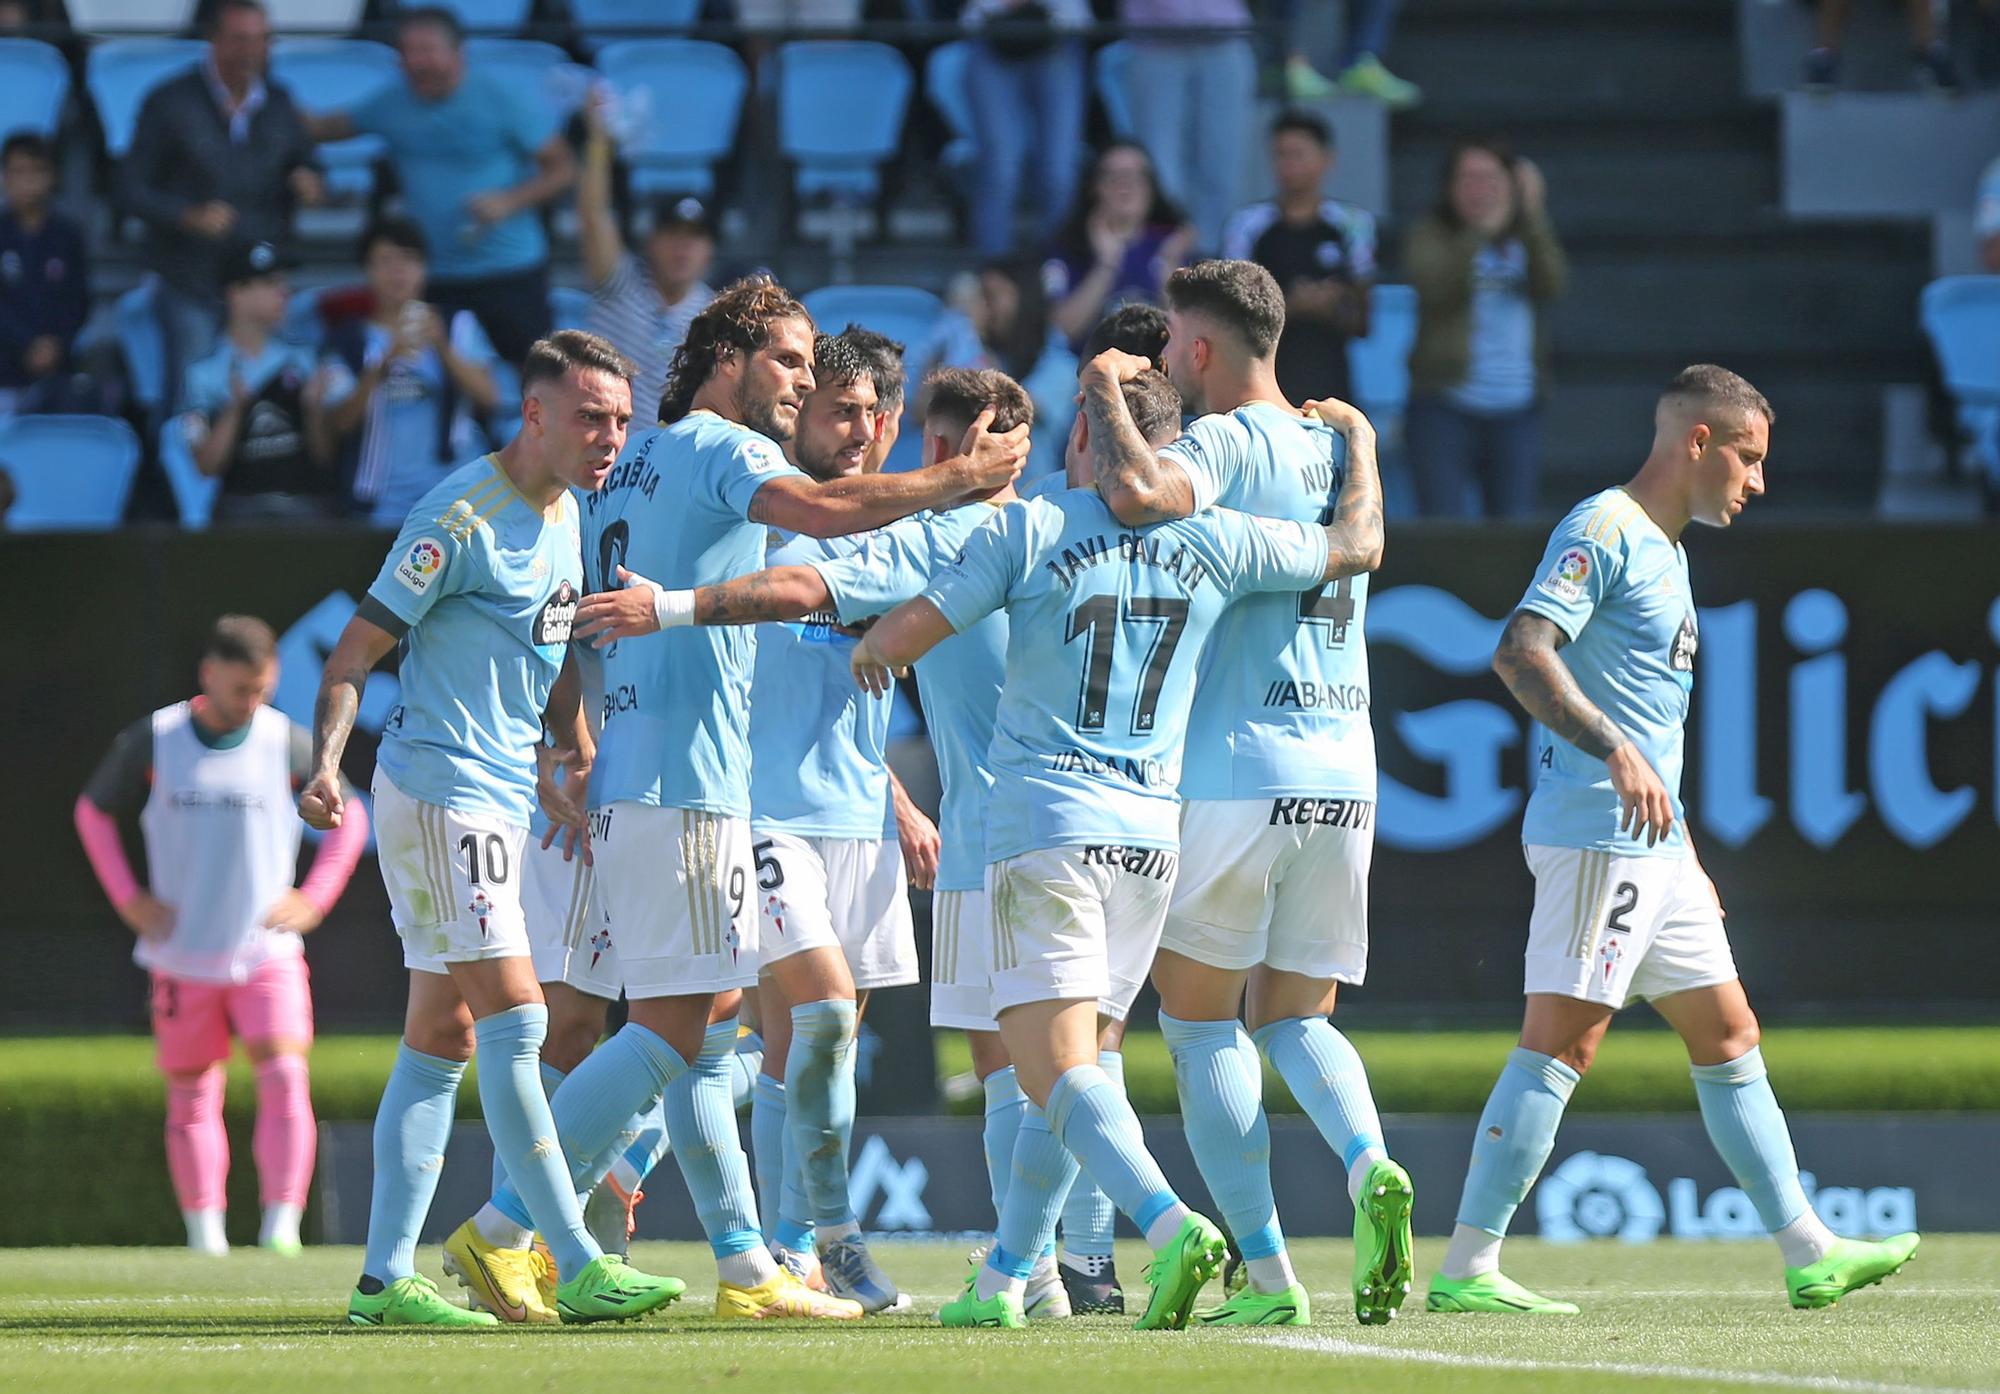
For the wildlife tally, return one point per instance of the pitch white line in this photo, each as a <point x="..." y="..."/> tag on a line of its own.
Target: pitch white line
<point x="1328" y="1345"/>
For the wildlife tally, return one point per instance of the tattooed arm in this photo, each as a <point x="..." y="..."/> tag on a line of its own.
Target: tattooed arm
<point x="1354" y="534"/>
<point x="1542" y="683"/>
<point x="777" y="593"/>
<point x="362" y="645"/>
<point x="1137" y="485"/>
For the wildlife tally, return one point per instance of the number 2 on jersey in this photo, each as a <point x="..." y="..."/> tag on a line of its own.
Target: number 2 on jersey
<point x="1097" y="621"/>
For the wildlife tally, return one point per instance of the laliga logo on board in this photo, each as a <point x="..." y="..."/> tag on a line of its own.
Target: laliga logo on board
<point x="1596" y="1196"/>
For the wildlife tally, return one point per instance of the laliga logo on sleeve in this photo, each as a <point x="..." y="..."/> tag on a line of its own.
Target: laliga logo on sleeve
<point x="1572" y="569"/>
<point x="421" y="566"/>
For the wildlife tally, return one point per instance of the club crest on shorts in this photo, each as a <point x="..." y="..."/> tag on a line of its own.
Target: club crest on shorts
<point x="481" y="909"/>
<point x="1609" y="957"/>
<point x="1567" y="577"/>
<point x="558" y="615"/>
<point x="600" y="943"/>
<point x="774" y="911"/>
<point x="420" y="565"/>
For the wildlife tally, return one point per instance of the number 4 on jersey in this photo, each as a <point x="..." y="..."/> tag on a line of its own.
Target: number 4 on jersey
<point x="1331" y="605"/>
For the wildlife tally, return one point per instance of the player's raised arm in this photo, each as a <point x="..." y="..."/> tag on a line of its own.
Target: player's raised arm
<point x="773" y="595"/>
<point x="1541" y="682"/>
<point x="1354" y="531"/>
<point x="363" y="644"/>
<point x="1137" y="483"/>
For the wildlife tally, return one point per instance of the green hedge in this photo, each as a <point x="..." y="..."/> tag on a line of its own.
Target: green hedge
<point x="81" y="1117"/>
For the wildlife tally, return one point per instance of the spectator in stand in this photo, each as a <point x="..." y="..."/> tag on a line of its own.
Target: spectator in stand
<point x="1192" y="93"/>
<point x="642" y="305"/>
<point x="1320" y="250"/>
<point x="405" y="382"/>
<point x="253" y="407"/>
<point x="1485" y="264"/>
<point x="1011" y="332"/>
<point x="219" y="157"/>
<point x="1026" y="84"/>
<point x="1929" y="55"/>
<point x="16" y="18"/>
<point x="1368" y="26"/>
<point x="1986" y="218"/>
<point x="1121" y="241"/>
<point x="44" y="278"/>
<point x="476" y="166"/>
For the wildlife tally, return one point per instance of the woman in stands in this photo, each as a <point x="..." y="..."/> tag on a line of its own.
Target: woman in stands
<point x="1119" y="245"/>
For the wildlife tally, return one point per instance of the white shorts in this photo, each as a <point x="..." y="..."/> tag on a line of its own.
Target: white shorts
<point x="1282" y="882"/>
<point x="676" y="882"/>
<point x="962" y="961"/>
<point x="1608" y="928"/>
<point x="1077" y="922"/>
<point x="567" y="928"/>
<point x="844" y="893"/>
<point x="454" y="880"/>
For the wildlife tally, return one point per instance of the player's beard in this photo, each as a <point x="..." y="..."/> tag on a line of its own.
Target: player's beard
<point x="760" y="414"/>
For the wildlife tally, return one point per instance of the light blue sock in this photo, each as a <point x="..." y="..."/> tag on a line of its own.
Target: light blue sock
<point x="701" y="1119"/>
<point x="524" y="1133"/>
<point x="1004" y="1104"/>
<point x="1043" y="1171"/>
<point x="1226" y="1128"/>
<point x="767" y="1137"/>
<point x="1321" y="1068"/>
<point x="594" y="1108"/>
<point x="1515" y="1134"/>
<point x="1089" y="1219"/>
<point x="745" y="1067"/>
<point x="819" y="1108"/>
<point x="552" y="1079"/>
<point x="650" y="1141"/>
<point x="412" y="1126"/>
<point x="1749" y="1132"/>
<point x="1099" y="1128"/>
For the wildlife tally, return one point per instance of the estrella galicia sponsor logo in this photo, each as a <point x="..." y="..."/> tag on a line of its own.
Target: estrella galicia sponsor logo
<point x="420" y="565"/>
<point x="553" y="624"/>
<point x="1326" y="813"/>
<point x="1597" y="1196"/>
<point x="1681" y="656"/>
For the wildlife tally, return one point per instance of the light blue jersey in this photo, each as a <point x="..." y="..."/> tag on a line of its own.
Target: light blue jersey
<point x="489" y="587"/>
<point x="676" y="510"/>
<point x="1105" y="626"/>
<point x="819" y="745"/>
<point x="1614" y="583"/>
<point x="1281" y="705"/>
<point x="959" y="679"/>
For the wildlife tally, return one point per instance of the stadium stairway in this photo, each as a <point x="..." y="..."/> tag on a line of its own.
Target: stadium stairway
<point x="1664" y="182"/>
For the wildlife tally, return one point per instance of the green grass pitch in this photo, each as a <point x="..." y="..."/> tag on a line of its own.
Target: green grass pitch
<point x="1668" y="1318"/>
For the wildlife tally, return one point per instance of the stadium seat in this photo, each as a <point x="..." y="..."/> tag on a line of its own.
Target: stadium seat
<point x="326" y="17"/>
<point x="569" y="307"/>
<point x="70" y="471"/>
<point x="302" y="322"/>
<point x="130" y="16"/>
<point x="693" y="100"/>
<point x="137" y="327"/>
<point x="944" y="87"/>
<point x="480" y="16"/>
<point x="333" y="75"/>
<point x="194" y="492"/>
<point x="34" y="80"/>
<point x="600" y="22"/>
<point x="120" y="72"/>
<point x="1114" y="85"/>
<point x="1962" y="316"/>
<point x="1380" y="364"/>
<point x="840" y="113"/>
<point x="529" y="66"/>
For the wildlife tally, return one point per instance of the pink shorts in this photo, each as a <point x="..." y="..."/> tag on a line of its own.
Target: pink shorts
<point x="193" y="1021"/>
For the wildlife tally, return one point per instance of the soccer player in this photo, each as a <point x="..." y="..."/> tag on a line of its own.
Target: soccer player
<point x="690" y="504"/>
<point x="211" y="781"/>
<point x="1105" y="624"/>
<point x="1278" y="828"/>
<point x="1601" y="654"/>
<point x="480" y="590"/>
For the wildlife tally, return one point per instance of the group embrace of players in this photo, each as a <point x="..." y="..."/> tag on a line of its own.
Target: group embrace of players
<point x="1148" y="693"/>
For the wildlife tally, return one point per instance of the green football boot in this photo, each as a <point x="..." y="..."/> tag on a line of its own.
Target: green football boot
<point x="1247" y="1308"/>
<point x="609" y="1289"/>
<point x="1382" y="1244"/>
<point x="1850" y="1264"/>
<point x="1492" y="1292"/>
<point x="1003" y="1309"/>
<point x="1177" y="1273"/>
<point x="412" y="1301"/>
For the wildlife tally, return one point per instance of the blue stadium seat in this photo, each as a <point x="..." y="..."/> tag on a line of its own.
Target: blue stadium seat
<point x="840" y="113"/>
<point x="71" y="471"/>
<point x="1962" y="316"/>
<point x="137" y="327"/>
<point x="335" y="75"/>
<point x="914" y="318"/>
<point x="531" y="67"/>
<point x="129" y="16"/>
<point x="568" y="307"/>
<point x="302" y="322"/>
<point x="329" y="17"/>
<point x="944" y="86"/>
<point x="34" y="80"/>
<point x="194" y="492"/>
<point x="694" y="99"/>
<point x="1380" y="364"/>
<point x="1114" y="86"/>
<point x="601" y="21"/>
<point x="120" y="72"/>
<point x="480" y="16"/>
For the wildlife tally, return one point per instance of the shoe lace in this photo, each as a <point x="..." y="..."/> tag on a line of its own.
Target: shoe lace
<point x="850" y="1262"/>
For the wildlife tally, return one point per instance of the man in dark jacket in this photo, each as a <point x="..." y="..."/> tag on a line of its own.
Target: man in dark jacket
<point x="44" y="276"/>
<point x="220" y="156"/>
